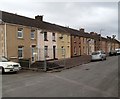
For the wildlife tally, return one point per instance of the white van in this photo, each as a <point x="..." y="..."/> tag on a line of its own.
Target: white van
<point x="8" y="66"/>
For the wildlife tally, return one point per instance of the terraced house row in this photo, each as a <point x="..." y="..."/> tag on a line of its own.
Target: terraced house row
<point x="22" y="38"/>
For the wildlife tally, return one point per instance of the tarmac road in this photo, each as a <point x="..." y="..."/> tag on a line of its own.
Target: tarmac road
<point x="95" y="79"/>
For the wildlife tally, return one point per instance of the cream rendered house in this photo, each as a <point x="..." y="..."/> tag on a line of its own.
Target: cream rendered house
<point x="18" y="39"/>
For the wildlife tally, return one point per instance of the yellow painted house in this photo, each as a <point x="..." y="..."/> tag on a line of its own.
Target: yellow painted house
<point x="63" y="45"/>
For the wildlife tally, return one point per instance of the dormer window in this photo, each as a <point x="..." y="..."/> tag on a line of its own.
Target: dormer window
<point x="20" y="32"/>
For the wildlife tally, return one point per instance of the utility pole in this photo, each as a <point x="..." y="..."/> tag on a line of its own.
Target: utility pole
<point x="113" y="37"/>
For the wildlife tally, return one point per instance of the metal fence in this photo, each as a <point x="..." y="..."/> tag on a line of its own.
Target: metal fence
<point x="25" y="63"/>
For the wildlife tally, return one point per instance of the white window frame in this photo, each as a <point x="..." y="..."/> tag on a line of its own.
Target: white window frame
<point x="20" y="48"/>
<point x="32" y="32"/>
<point x="20" y="30"/>
<point x="53" y="36"/>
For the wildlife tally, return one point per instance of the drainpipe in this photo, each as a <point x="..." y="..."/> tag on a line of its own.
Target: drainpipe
<point x="38" y="44"/>
<point x="5" y="41"/>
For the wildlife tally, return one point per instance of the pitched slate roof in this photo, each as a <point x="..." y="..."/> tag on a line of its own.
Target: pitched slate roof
<point x="22" y="20"/>
<point x="25" y="21"/>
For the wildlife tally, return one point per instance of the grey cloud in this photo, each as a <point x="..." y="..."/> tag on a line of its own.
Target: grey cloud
<point x="91" y="15"/>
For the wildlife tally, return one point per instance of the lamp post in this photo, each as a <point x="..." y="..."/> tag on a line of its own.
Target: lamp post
<point x="113" y="37"/>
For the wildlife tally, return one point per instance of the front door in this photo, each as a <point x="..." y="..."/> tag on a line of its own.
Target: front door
<point x="33" y="53"/>
<point x="54" y="50"/>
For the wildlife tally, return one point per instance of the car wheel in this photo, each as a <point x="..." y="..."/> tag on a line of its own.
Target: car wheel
<point x="3" y="71"/>
<point x="105" y="58"/>
<point x="16" y="72"/>
<point x="102" y="59"/>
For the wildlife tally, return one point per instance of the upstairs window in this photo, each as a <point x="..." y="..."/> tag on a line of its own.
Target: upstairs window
<point x="32" y="34"/>
<point x="45" y="36"/>
<point x="20" y="32"/>
<point x="61" y="36"/>
<point x="53" y="36"/>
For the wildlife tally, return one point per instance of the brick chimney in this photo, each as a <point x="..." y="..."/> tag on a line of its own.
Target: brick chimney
<point x="92" y="33"/>
<point x="82" y="30"/>
<point x="39" y="17"/>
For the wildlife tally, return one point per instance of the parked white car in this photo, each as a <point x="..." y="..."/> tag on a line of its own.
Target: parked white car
<point x="98" y="55"/>
<point x="117" y="51"/>
<point x="8" y="66"/>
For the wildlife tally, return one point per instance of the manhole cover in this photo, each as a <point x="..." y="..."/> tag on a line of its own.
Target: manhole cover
<point x="87" y="69"/>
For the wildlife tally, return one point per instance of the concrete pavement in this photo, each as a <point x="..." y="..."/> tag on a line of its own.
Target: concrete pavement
<point x="64" y="63"/>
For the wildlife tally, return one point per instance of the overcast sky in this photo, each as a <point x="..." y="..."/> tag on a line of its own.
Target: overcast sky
<point x="93" y="16"/>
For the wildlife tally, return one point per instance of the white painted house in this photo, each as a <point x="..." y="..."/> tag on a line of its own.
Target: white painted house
<point x="47" y="45"/>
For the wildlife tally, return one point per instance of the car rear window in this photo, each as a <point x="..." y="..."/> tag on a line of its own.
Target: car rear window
<point x="95" y="53"/>
<point x="3" y="59"/>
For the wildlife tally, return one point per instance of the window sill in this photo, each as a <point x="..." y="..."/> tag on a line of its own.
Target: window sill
<point x="45" y="40"/>
<point x="20" y="38"/>
<point x="46" y="56"/>
<point x="33" y="39"/>
<point x="20" y="57"/>
<point x="54" y="40"/>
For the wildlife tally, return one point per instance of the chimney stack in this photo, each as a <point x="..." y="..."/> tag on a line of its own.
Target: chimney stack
<point x="82" y="30"/>
<point x="39" y="17"/>
<point x="92" y="33"/>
